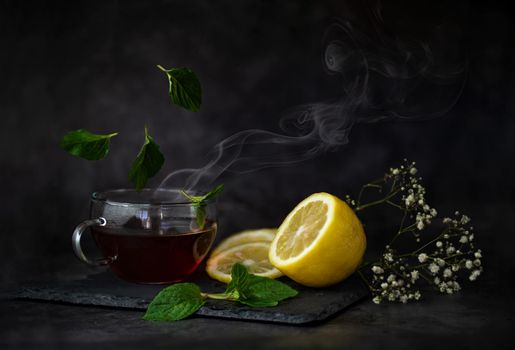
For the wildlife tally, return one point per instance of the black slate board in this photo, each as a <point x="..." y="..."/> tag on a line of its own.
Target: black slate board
<point x="104" y="289"/>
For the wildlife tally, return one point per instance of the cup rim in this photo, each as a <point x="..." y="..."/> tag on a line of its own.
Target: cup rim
<point x="104" y="196"/>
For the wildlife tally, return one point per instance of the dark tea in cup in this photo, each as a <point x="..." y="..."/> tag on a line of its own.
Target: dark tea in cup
<point x="148" y="236"/>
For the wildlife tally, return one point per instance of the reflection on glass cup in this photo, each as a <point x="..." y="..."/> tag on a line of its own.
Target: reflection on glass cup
<point x="151" y="236"/>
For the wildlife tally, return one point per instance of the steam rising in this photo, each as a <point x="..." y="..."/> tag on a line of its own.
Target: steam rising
<point x="382" y="79"/>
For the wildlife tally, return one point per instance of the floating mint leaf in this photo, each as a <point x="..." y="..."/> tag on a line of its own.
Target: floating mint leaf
<point x="147" y="163"/>
<point x="175" y="302"/>
<point x="184" y="88"/>
<point x="83" y="144"/>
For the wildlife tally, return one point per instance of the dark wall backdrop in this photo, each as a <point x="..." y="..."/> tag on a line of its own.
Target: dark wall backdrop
<point x="91" y="64"/>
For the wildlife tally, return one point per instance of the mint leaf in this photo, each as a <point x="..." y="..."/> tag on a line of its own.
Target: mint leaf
<point x="184" y="88"/>
<point x="239" y="277"/>
<point x="213" y="193"/>
<point x="264" y="292"/>
<point x="200" y="214"/>
<point x="175" y="302"/>
<point x="257" y="291"/>
<point x="147" y="163"/>
<point x="83" y="144"/>
<point x="199" y="203"/>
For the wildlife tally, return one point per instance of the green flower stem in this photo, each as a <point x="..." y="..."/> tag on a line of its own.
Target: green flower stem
<point x="431" y="241"/>
<point x="370" y="185"/>
<point x="366" y="282"/>
<point x="379" y="201"/>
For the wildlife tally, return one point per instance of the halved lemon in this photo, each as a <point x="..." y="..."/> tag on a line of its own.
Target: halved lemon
<point x="254" y="256"/>
<point x="320" y="243"/>
<point x="243" y="237"/>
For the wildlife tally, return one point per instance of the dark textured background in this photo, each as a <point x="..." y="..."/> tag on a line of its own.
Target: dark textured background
<point x="91" y="64"/>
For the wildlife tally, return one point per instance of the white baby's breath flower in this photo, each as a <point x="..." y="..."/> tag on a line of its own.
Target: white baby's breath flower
<point x="447" y="220"/>
<point x="414" y="275"/>
<point x="469" y="264"/>
<point x="464" y="239"/>
<point x="450" y="250"/>
<point x="409" y="200"/>
<point x="447" y="273"/>
<point x="390" y="278"/>
<point x="403" y="299"/>
<point x="436" y="280"/>
<point x="376" y="299"/>
<point x="474" y="275"/>
<point x="420" y="225"/>
<point x="395" y="171"/>
<point x="384" y="285"/>
<point x="464" y="220"/>
<point x="413" y="171"/>
<point x="434" y="268"/>
<point x="477" y="262"/>
<point x="433" y="212"/>
<point x="478" y="254"/>
<point x="439" y="244"/>
<point x="388" y="257"/>
<point x="440" y="262"/>
<point x="422" y="257"/>
<point x="377" y="270"/>
<point x="456" y="286"/>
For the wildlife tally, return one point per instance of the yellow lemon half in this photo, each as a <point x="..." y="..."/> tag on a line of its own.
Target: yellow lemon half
<point x="320" y="243"/>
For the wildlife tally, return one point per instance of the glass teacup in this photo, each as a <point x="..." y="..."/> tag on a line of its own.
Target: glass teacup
<point x="149" y="236"/>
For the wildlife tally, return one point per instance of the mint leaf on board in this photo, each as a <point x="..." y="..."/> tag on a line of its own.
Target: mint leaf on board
<point x="184" y="88"/>
<point x="147" y="163"/>
<point x="199" y="203"/>
<point x="175" y="302"/>
<point x="257" y="291"/>
<point x="81" y="143"/>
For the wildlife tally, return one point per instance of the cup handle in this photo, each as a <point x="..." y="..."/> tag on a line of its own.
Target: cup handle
<point x="79" y="230"/>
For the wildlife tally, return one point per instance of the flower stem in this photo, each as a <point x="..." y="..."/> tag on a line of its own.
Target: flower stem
<point x="379" y="201"/>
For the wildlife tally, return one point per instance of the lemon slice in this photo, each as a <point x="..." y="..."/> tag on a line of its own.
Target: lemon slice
<point x="243" y="237"/>
<point x="321" y="242"/>
<point x="254" y="256"/>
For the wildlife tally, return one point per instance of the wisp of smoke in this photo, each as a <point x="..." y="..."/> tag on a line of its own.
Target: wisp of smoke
<point x="383" y="79"/>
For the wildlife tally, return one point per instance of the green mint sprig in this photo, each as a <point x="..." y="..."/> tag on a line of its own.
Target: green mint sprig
<point x="181" y="300"/>
<point x="81" y="143"/>
<point x="148" y="162"/>
<point x="200" y="202"/>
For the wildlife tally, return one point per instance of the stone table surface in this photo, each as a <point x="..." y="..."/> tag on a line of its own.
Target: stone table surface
<point x="481" y="316"/>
